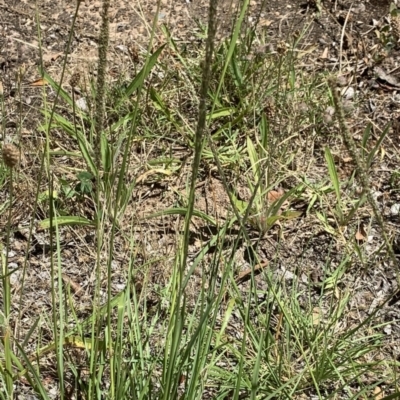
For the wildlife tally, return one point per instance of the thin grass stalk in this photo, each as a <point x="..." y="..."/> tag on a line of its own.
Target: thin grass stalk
<point x="7" y="301"/>
<point x="101" y="79"/>
<point x="58" y="319"/>
<point x="99" y="217"/>
<point x="4" y="258"/>
<point x="201" y="125"/>
<point x="5" y="330"/>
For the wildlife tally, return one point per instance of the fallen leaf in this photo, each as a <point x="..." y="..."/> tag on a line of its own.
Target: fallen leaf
<point x="152" y="172"/>
<point x="378" y="393"/>
<point x="265" y="22"/>
<point x="324" y="54"/>
<point x="76" y="288"/>
<point x="38" y="82"/>
<point x="246" y="274"/>
<point x="360" y="234"/>
<point x="316" y="316"/>
<point x="274" y="195"/>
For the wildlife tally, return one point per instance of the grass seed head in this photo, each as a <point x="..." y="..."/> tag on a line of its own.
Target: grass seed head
<point x="75" y="78"/>
<point x="10" y="155"/>
<point x="395" y="24"/>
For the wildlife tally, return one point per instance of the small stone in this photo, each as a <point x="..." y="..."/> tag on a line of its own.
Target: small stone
<point x="303" y="108"/>
<point x="330" y="110"/>
<point x="348" y="106"/>
<point x="328" y="115"/>
<point x="349" y="93"/>
<point x="395" y="209"/>
<point x="82" y="104"/>
<point x="341" y="80"/>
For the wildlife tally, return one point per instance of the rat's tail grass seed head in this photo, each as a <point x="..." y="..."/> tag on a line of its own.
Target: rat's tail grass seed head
<point x="10" y="155"/>
<point x="74" y="80"/>
<point x="395" y="25"/>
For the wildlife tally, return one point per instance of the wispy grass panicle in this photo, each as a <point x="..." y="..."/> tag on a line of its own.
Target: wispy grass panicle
<point x="201" y="122"/>
<point x="101" y="76"/>
<point x="361" y="169"/>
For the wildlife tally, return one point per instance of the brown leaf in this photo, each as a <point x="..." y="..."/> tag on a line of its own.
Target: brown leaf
<point x="360" y="235"/>
<point x="38" y="82"/>
<point x="274" y="195"/>
<point x="76" y="288"/>
<point x="378" y="393"/>
<point x="324" y="54"/>
<point x="316" y="316"/>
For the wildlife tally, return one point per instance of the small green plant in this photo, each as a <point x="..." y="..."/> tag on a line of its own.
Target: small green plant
<point x="84" y="186"/>
<point x="395" y="180"/>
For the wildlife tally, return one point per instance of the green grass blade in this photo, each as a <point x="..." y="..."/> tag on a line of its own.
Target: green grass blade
<point x="333" y="173"/>
<point x="142" y="75"/>
<point x="181" y="211"/>
<point x="66" y="220"/>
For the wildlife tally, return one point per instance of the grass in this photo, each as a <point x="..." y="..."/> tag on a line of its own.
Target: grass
<point x="201" y="305"/>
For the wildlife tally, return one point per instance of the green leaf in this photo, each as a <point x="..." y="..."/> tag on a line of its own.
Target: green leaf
<point x="240" y="205"/>
<point x="371" y="155"/>
<point x="278" y="203"/>
<point x="236" y="72"/>
<point x="291" y="214"/>
<point x="46" y="195"/>
<point x="84" y="176"/>
<point x="364" y="141"/>
<point x="181" y="211"/>
<point x="253" y="157"/>
<point x="333" y="173"/>
<point x="142" y="75"/>
<point x="223" y="112"/>
<point x="78" y="135"/>
<point x="105" y="152"/>
<point x="63" y="94"/>
<point x="264" y="130"/>
<point x="325" y="223"/>
<point x="65" y="220"/>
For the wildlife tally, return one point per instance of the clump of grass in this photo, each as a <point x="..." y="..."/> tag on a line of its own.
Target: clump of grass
<point x="237" y="115"/>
